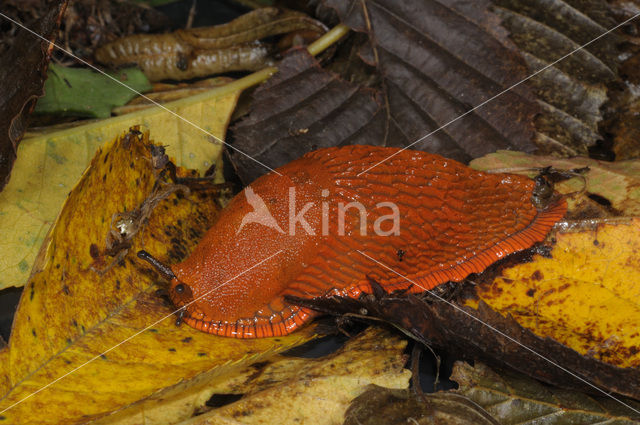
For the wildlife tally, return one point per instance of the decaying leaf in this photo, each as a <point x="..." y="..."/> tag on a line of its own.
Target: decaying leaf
<point x="50" y="164"/>
<point x="482" y="333"/>
<point x="81" y="92"/>
<point x="568" y="94"/>
<point x="513" y="398"/>
<point x="69" y="314"/>
<point x="584" y="296"/>
<point x="572" y="92"/>
<point x="429" y="63"/>
<point x="280" y="129"/>
<point x="198" y="52"/>
<point x="614" y="184"/>
<point x="23" y="72"/>
<point x="319" y="391"/>
<point x="381" y="406"/>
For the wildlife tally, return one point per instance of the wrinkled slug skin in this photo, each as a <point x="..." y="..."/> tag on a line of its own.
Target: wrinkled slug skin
<point x="451" y="221"/>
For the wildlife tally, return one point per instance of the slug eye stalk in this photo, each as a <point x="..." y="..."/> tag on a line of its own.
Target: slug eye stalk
<point x="164" y="270"/>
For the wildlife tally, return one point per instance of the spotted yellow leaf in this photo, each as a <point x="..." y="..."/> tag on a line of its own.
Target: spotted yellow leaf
<point x="586" y="296"/>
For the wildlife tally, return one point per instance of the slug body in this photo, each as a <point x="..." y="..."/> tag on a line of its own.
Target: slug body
<point x="306" y="232"/>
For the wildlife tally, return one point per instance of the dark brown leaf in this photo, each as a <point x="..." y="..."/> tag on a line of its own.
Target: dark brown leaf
<point x="572" y="92"/>
<point x="453" y="328"/>
<point x="432" y="61"/>
<point x="23" y="72"/>
<point x="303" y="108"/>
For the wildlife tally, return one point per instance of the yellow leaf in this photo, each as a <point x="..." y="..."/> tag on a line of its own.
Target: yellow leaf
<point x="618" y="182"/>
<point x="320" y="391"/>
<point x="69" y="314"/>
<point x="586" y="296"/>
<point x="49" y="165"/>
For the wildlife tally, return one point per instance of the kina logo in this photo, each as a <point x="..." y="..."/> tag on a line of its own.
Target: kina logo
<point x="260" y="213"/>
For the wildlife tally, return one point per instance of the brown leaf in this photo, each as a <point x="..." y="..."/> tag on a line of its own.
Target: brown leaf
<point x="430" y="62"/>
<point x="569" y="94"/>
<point x="23" y="72"/>
<point x="381" y="406"/>
<point x="572" y="92"/>
<point x="300" y="109"/>
<point x="513" y="398"/>
<point x="464" y="331"/>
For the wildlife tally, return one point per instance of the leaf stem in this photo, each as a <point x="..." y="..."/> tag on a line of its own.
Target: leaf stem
<point x="328" y="39"/>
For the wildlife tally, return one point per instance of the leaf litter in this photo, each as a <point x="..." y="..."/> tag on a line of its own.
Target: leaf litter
<point x="23" y="74"/>
<point x="302" y="132"/>
<point x="512" y="398"/>
<point x="319" y="390"/>
<point x="82" y="92"/>
<point x="423" y="64"/>
<point x="69" y="314"/>
<point x="50" y="164"/>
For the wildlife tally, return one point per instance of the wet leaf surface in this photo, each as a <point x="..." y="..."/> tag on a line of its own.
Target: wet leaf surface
<point x="512" y="398"/>
<point x="81" y="92"/>
<point x="50" y="164"/>
<point x="23" y="72"/>
<point x="69" y="313"/>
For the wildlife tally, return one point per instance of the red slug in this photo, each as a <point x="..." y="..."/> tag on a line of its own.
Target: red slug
<point x="423" y="216"/>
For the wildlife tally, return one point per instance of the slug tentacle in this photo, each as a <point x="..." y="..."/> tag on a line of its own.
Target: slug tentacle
<point x="164" y="270"/>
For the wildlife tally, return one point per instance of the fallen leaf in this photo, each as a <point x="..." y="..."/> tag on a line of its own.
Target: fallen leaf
<point x="280" y="130"/>
<point x="434" y="62"/>
<point x="572" y="92"/>
<point x="23" y="74"/>
<point x="202" y="51"/>
<point x="4" y="369"/>
<point x="69" y="314"/>
<point x="381" y="406"/>
<point x="513" y="398"/>
<point x="81" y="92"/>
<point x="584" y="296"/>
<point x="163" y="93"/>
<point x="49" y="165"/>
<point x="493" y="39"/>
<point x="482" y="333"/>
<point x="617" y="183"/>
<point x="320" y="391"/>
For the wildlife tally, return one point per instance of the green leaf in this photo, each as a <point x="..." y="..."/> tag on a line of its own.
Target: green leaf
<point x="84" y="93"/>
